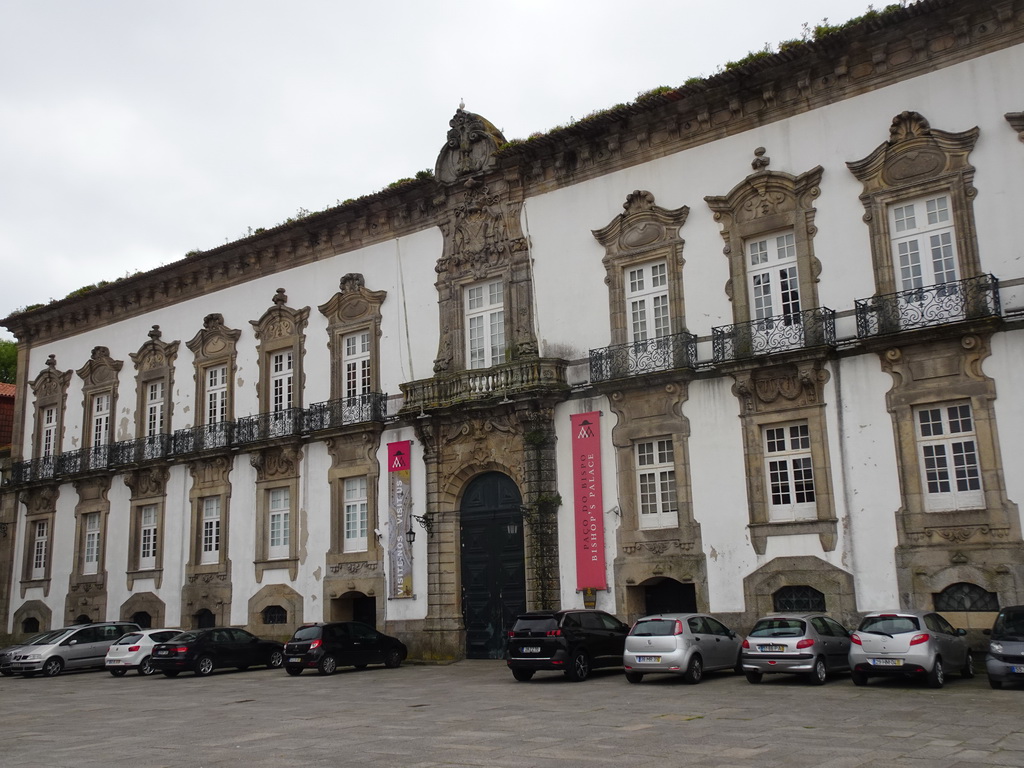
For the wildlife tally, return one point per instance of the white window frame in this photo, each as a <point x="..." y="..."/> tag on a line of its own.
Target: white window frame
<point x="281" y="381"/>
<point x="278" y="523"/>
<point x="923" y="240"/>
<point x="100" y="419"/>
<point x="485" y="324"/>
<point x="657" y="502"/>
<point x="356" y="364"/>
<point x="789" y="472"/>
<point x="216" y="393"/>
<point x="40" y="548"/>
<point x="91" y="541"/>
<point x="48" y="438"/>
<point x="155" y="408"/>
<point x="947" y="449"/>
<point x="210" y="531"/>
<point x="773" y="275"/>
<point x="355" y="512"/>
<point x="647" y="304"/>
<point x="148" y="536"/>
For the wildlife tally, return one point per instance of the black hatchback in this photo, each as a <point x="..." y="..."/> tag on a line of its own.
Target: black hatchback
<point x="325" y="647"/>
<point x="204" y="650"/>
<point x="570" y="641"/>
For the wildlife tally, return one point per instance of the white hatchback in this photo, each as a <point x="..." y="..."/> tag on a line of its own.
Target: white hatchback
<point x="134" y="649"/>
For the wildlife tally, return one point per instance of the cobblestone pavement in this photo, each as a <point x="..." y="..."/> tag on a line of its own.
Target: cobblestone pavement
<point x="474" y="714"/>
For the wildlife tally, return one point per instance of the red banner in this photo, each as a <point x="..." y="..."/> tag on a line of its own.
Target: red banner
<point x="399" y="509"/>
<point x="587" y="503"/>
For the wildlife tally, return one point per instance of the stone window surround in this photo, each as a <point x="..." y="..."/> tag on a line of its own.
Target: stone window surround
<point x="92" y="493"/>
<point x="276" y="467"/>
<point x="210" y="477"/>
<point x="99" y="376"/>
<point x="51" y="390"/>
<point x="154" y="362"/>
<point x="354" y="309"/>
<point x="213" y="346"/>
<point x="280" y="329"/>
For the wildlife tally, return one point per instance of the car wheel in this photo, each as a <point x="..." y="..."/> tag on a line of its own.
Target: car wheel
<point x="293" y="671"/>
<point x="995" y="684"/>
<point x="968" y="670"/>
<point x="694" y="670"/>
<point x="819" y="674"/>
<point x="579" y="667"/>
<point x="276" y="660"/>
<point x="204" y="666"/>
<point x="392" y="659"/>
<point x="859" y="678"/>
<point x="754" y="677"/>
<point x="328" y="664"/>
<point x="171" y="672"/>
<point x="634" y="677"/>
<point x="53" y="666"/>
<point x="938" y="675"/>
<point x="522" y="675"/>
<point x="146" y="667"/>
<point x="118" y="672"/>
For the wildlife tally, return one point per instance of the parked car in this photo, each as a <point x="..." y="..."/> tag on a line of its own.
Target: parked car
<point x="687" y="644"/>
<point x="135" y="650"/>
<point x="204" y="650"/>
<point x="1004" y="661"/>
<point x="569" y="641"/>
<point x="325" y="647"/>
<point x="7" y="654"/>
<point x="80" y="647"/>
<point x="808" y="644"/>
<point x="909" y="643"/>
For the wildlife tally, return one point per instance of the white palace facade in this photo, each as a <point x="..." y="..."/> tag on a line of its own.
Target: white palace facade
<point x="742" y="345"/>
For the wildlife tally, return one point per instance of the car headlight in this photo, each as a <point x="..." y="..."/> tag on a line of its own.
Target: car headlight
<point x="34" y="657"/>
<point x="995" y="647"/>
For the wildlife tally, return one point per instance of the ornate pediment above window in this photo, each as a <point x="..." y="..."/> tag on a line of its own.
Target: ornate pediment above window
<point x="781" y="388"/>
<point x="41" y="500"/>
<point x="642" y="226"/>
<point x="472" y="141"/>
<point x="215" y="340"/>
<point x="276" y="463"/>
<point x="51" y="385"/>
<point x="155" y="354"/>
<point x="101" y="370"/>
<point x="353" y="303"/>
<point x="280" y="321"/>
<point x="210" y="473"/>
<point x="148" y="482"/>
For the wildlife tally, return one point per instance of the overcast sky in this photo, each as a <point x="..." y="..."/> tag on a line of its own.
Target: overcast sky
<point x="134" y="131"/>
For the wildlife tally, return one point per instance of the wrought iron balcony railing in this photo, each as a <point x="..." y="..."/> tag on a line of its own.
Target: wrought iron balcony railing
<point x="953" y="302"/>
<point x="529" y="375"/>
<point x="140" y="451"/>
<point x="266" y="426"/>
<point x="664" y="353"/>
<point x="206" y="437"/>
<point x="34" y="469"/>
<point x="350" y="410"/>
<point x="770" y="335"/>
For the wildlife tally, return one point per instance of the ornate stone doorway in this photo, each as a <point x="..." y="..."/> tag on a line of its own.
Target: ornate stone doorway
<point x="493" y="563"/>
<point x="666" y="595"/>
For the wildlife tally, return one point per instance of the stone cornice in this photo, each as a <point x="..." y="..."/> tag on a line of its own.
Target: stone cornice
<point x="921" y="38"/>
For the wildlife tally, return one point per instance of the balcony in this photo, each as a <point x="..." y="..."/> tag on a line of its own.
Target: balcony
<point x="207" y="437"/>
<point x="267" y="426"/>
<point x="771" y="335"/>
<point x="635" y="358"/>
<point x="139" y="451"/>
<point x="530" y="376"/>
<point x="350" y="410"/>
<point x="953" y="302"/>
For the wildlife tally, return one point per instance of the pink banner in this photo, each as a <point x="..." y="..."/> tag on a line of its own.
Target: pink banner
<point x="399" y="509"/>
<point x="587" y="503"/>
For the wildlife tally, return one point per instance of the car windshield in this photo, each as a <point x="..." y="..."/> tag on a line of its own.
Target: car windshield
<point x="890" y="624"/>
<point x="654" y="627"/>
<point x="1009" y="624"/>
<point x="535" y="624"/>
<point x="50" y="637"/>
<point x="306" y="633"/>
<point x="778" y="628"/>
<point x="35" y="639"/>
<point x="131" y="637"/>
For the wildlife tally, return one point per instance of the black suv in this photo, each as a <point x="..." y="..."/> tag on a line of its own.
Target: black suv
<point x="571" y="641"/>
<point x="325" y="647"/>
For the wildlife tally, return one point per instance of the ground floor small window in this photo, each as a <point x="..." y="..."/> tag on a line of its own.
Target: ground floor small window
<point x="965" y="597"/>
<point x="275" y="614"/>
<point x="798" y="598"/>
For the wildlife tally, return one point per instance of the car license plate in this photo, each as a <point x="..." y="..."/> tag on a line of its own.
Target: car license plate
<point x="1017" y="670"/>
<point x="163" y="652"/>
<point x="887" y="662"/>
<point x="294" y="660"/>
<point x="771" y="648"/>
<point x="113" y="662"/>
<point x="648" y="659"/>
<point x="530" y="649"/>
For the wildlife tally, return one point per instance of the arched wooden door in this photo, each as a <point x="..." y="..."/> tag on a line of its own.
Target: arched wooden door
<point x="493" y="563"/>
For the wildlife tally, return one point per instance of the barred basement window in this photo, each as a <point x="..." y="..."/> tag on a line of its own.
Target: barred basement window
<point x="275" y="614"/>
<point x="798" y="598"/>
<point x="965" y="597"/>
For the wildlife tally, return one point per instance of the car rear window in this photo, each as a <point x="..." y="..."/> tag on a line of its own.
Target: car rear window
<point x="535" y="624"/>
<point x="188" y="637"/>
<point x="778" y="628"/>
<point x="890" y="625"/>
<point x="128" y="639"/>
<point x="307" y="633"/>
<point x="654" y="627"/>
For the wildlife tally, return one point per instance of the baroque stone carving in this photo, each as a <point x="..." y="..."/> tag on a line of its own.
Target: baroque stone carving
<point x="275" y="463"/>
<point x="472" y="140"/>
<point x="150" y="481"/>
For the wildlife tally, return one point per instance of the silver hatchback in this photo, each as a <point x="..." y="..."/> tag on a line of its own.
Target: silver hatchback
<point x="686" y="644"/>
<point x="908" y="643"/>
<point x="809" y="644"/>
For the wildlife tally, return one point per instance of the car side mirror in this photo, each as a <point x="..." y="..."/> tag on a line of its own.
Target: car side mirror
<point x="72" y="642"/>
<point x="961" y="632"/>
